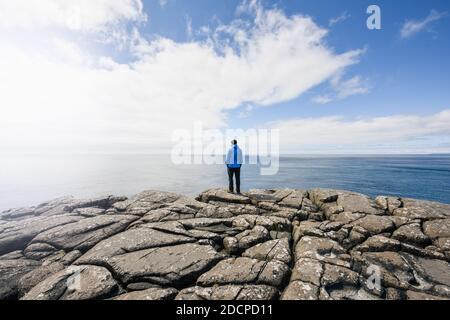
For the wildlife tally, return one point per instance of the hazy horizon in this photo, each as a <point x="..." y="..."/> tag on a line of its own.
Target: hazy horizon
<point x="26" y="181"/>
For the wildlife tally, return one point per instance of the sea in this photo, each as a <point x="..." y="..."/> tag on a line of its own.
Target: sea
<point x="33" y="179"/>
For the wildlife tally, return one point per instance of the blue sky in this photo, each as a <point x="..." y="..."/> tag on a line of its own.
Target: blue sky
<point x="404" y="75"/>
<point x="133" y="72"/>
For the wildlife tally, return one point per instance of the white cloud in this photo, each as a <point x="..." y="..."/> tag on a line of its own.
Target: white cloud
<point x="64" y="96"/>
<point x="338" y="134"/>
<point x="350" y="87"/>
<point x="70" y="53"/>
<point x="75" y="15"/>
<point x="343" y="89"/>
<point x="189" y="30"/>
<point x="163" y="3"/>
<point x="248" y="6"/>
<point x="341" y="18"/>
<point x="323" y="99"/>
<point x="246" y="112"/>
<point x="411" y="27"/>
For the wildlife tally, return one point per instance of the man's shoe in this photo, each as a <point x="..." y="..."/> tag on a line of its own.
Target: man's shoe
<point x="230" y="191"/>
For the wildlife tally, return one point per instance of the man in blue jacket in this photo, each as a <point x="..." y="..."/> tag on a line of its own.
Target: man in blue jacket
<point x="234" y="163"/>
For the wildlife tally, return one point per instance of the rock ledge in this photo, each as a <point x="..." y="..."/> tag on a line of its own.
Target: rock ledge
<point x="262" y="245"/>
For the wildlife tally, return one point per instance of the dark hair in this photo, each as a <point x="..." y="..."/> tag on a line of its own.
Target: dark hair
<point x="234" y="142"/>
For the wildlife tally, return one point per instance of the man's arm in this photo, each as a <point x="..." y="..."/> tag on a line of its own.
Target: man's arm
<point x="228" y="157"/>
<point x="240" y="157"/>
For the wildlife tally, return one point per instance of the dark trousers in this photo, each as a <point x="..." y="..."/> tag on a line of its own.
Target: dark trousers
<point x="237" y="173"/>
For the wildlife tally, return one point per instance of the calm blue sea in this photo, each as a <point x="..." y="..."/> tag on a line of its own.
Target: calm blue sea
<point x="33" y="179"/>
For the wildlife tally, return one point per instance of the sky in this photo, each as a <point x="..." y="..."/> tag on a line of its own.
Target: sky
<point x="123" y="75"/>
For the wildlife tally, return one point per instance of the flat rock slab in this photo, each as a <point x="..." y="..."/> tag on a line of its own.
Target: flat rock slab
<point x="53" y="207"/>
<point x="150" y="294"/>
<point x="146" y="201"/>
<point x="437" y="228"/>
<point x="375" y="224"/>
<point x="425" y="210"/>
<point x="168" y="266"/>
<point x="130" y="241"/>
<point x="223" y="196"/>
<point x="60" y="206"/>
<point x="271" y="250"/>
<point x="263" y="195"/>
<point x="84" y="234"/>
<point x="229" y="292"/>
<point x="75" y="283"/>
<point x="246" y="271"/>
<point x="436" y="271"/>
<point x="39" y="274"/>
<point x="15" y="235"/>
<point x="299" y="290"/>
<point x="246" y="239"/>
<point x="412" y="233"/>
<point x="357" y="203"/>
<point x="10" y="273"/>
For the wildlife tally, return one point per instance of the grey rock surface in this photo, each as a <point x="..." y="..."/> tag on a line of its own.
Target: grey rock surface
<point x="149" y="294"/>
<point x="74" y="283"/>
<point x="261" y="245"/>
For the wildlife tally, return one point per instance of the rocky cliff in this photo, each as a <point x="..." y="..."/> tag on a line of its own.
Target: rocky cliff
<point x="265" y="244"/>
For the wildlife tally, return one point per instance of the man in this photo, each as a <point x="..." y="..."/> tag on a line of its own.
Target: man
<point x="234" y="164"/>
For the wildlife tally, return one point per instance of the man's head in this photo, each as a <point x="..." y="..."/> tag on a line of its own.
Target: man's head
<point x="234" y="142"/>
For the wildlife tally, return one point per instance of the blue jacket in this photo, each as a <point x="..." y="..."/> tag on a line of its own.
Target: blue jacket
<point x="234" y="157"/>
